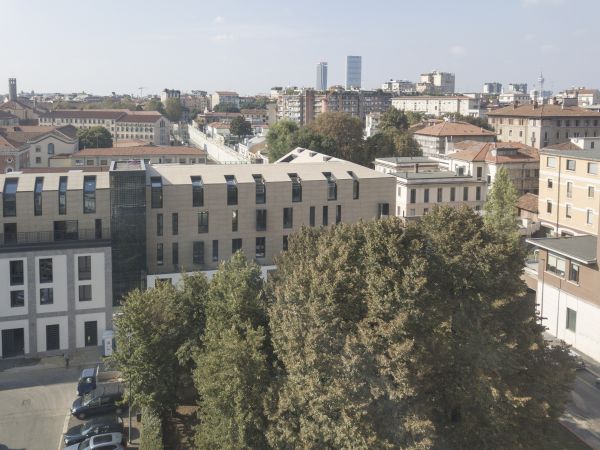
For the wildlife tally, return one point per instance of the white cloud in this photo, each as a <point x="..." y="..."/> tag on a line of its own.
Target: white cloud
<point x="458" y="50"/>
<point x="219" y="19"/>
<point x="527" y="3"/>
<point x="222" y="38"/>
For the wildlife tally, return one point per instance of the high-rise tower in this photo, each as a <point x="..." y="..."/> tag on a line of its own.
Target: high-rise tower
<point x="353" y="72"/>
<point x="321" y="76"/>
<point x="12" y="88"/>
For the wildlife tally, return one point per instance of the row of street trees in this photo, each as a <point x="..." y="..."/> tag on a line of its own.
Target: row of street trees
<point x="369" y="336"/>
<point x="340" y="135"/>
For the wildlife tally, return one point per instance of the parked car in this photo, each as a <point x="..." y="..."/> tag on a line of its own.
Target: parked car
<point x="93" y="427"/>
<point x="579" y="363"/>
<point x="109" y="441"/>
<point x="87" y="381"/>
<point x="99" y="401"/>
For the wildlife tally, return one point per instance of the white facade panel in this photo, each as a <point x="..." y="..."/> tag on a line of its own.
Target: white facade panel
<point x="9" y="325"/>
<point x="97" y="282"/>
<point x="6" y="310"/>
<point x="58" y="285"/>
<point x="80" y="320"/>
<point x="62" y="322"/>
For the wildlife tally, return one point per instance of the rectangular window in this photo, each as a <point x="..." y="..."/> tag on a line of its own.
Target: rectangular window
<point x="261" y="189"/>
<point x="175" y="253"/>
<point x="426" y="195"/>
<point x="440" y="193"/>
<point x="159" y="255"/>
<point x="261" y="219"/>
<point x="10" y="233"/>
<point x="89" y="195"/>
<point x="568" y="211"/>
<point x="325" y="216"/>
<point x="260" y="247"/>
<point x="46" y="296"/>
<point x="85" y="293"/>
<point x="570" y="164"/>
<point x="478" y="193"/>
<point x="285" y="243"/>
<point x="175" y="224"/>
<point x="591" y="191"/>
<point x="198" y="252"/>
<point x="556" y="265"/>
<point x="234" y="220"/>
<point x="550" y="183"/>
<point x="479" y="173"/>
<point x="338" y="214"/>
<point x="156" y="192"/>
<point x="215" y="250"/>
<point x="203" y="222"/>
<point x="16" y="273"/>
<point x="17" y="299"/>
<point x="296" y="187"/>
<point x="9" y="197"/>
<point x="452" y="194"/>
<point x="571" y="320"/>
<point x="236" y="244"/>
<point x="232" y="190"/>
<point x="159" y="224"/>
<point x="331" y="186"/>
<point x="355" y="186"/>
<point x="197" y="191"/>
<point x="569" y="189"/>
<point x="466" y="193"/>
<point x="551" y="161"/>
<point x="548" y="206"/>
<point x="84" y="268"/>
<point x="45" y="266"/>
<point x="288" y="217"/>
<point x="37" y="196"/>
<point x="311" y="216"/>
<point x="413" y="196"/>
<point x="592" y="168"/>
<point x="574" y="272"/>
<point x="383" y="210"/>
<point x="589" y="217"/>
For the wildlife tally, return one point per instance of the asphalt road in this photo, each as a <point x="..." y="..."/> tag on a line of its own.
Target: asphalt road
<point x="33" y="405"/>
<point x="583" y="412"/>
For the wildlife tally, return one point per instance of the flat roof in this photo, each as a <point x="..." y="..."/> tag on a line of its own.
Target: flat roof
<point x="406" y="159"/>
<point x="579" y="248"/>
<point x="432" y="175"/>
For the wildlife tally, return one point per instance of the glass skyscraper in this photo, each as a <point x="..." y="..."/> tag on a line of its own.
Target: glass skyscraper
<point x="321" y="77"/>
<point x="353" y="72"/>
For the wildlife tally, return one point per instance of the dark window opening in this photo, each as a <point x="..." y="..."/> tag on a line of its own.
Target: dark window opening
<point x="156" y="192"/>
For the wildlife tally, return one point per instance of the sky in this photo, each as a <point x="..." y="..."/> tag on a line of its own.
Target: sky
<point x="250" y="46"/>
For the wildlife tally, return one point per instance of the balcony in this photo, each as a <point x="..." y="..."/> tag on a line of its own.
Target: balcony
<point x="52" y="237"/>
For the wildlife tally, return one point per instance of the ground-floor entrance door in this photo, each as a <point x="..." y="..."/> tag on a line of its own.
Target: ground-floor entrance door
<point x="91" y="333"/>
<point x="13" y="342"/>
<point x="52" y="337"/>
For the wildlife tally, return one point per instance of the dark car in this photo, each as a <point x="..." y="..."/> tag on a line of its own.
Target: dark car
<point x="99" y="401"/>
<point x="87" y="381"/>
<point x="93" y="427"/>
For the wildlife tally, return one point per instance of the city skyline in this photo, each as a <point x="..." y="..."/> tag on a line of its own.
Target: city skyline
<point x="282" y="45"/>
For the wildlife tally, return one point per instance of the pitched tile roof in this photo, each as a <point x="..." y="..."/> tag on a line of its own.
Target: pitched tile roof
<point x="579" y="248"/>
<point x="492" y="152"/>
<point x="141" y="116"/>
<point x="528" y="202"/>
<point x="447" y="128"/>
<point x="140" y="151"/>
<point x="86" y="114"/>
<point x="564" y="146"/>
<point x="539" y="111"/>
<point x="21" y="134"/>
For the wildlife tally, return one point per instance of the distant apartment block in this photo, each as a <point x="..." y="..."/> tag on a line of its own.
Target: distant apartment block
<point x="398" y="87"/>
<point x="321" y="83"/>
<point x="148" y="126"/>
<point x="226" y="97"/>
<point x="492" y="88"/>
<point x="167" y="94"/>
<point x="436" y="82"/>
<point x="353" y="72"/>
<point x="7" y="119"/>
<point x="438" y="106"/>
<point x="583" y="97"/>
<point x="516" y="87"/>
<point x="438" y="139"/>
<point x="543" y="125"/>
<point x="513" y="97"/>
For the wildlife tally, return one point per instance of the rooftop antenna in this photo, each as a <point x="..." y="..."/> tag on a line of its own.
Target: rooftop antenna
<point x="541" y="82"/>
<point x="142" y="91"/>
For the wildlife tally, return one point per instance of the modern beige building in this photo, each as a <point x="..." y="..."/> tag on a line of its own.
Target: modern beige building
<point x="149" y="126"/>
<point x="438" y="139"/>
<point x="438" y="105"/>
<point x="228" y="97"/>
<point x="543" y="125"/>
<point x="436" y="82"/>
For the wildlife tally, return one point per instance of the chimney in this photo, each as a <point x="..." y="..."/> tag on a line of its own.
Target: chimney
<point x="416" y="167"/>
<point x="515" y="104"/>
<point x="535" y="104"/>
<point x="12" y="89"/>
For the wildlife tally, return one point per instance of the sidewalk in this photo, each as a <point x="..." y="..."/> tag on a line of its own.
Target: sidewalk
<point x="81" y="358"/>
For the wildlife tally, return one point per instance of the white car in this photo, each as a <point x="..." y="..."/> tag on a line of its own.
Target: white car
<point x="108" y="441"/>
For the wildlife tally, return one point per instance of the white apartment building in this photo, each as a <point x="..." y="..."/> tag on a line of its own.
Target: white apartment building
<point x="228" y="97"/>
<point x="438" y="106"/>
<point x="436" y="82"/>
<point x="492" y="88"/>
<point x="399" y="87"/>
<point x="439" y="139"/>
<point x="513" y="97"/>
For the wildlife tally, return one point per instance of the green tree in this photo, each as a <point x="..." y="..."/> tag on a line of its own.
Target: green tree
<point x="306" y="137"/>
<point x="380" y="145"/>
<point x="232" y="374"/>
<point x="240" y="127"/>
<point x="94" y="137"/>
<point x="154" y="105"/>
<point x="477" y="121"/>
<point x="173" y="109"/>
<point x="280" y="139"/>
<point x="406" y="145"/>
<point x="414" y="117"/>
<point x="501" y="205"/>
<point x="393" y="120"/>
<point x="226" y="107"/>
<point x="392" y="337"/>
<point x="343" y="130"/>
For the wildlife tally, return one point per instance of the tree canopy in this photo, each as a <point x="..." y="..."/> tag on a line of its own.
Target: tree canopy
<point x="240" y="127"/>
<point x="94" y="137"/>
<point x="501" y="204"/>
<point x="173" y="109"/>
<point x="280" y="138"/>
<point x="226" y="107"/>
<point x="154" y="105"/>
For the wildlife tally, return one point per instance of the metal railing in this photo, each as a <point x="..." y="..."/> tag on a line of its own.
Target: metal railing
<point x="40" y="237"/>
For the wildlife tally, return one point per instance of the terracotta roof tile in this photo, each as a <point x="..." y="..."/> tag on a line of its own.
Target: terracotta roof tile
<point x="484" y="152"/>
<point x="454" y="129"/>
<point x="528" y="202"/>
<point x="141" y="151"/>
<point x="540" y="111"/>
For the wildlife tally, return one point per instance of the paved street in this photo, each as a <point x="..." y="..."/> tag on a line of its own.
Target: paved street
<point x="583" y="412"/>
<point x="33" y="406"/>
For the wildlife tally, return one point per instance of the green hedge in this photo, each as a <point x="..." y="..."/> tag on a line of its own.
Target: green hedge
<point x="152" y="434"/>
